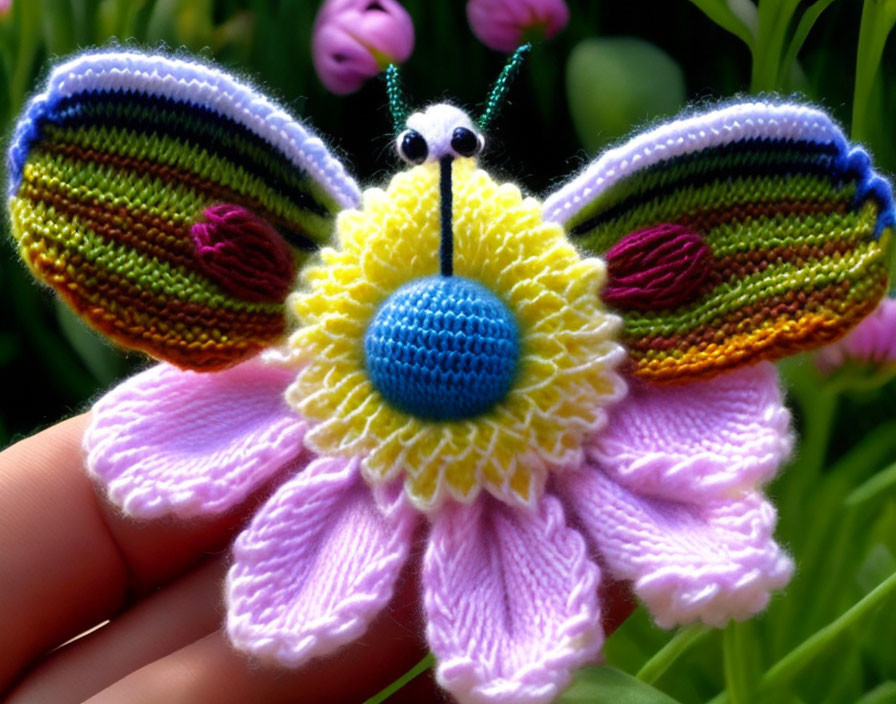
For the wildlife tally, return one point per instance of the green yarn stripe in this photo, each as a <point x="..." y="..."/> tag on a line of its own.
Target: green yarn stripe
<point x="144" y="272"/>
<point x="157" y="118"/>
<point x="210" y="172"/>
<point x="195" y="160"/>
<point x="721" y="164"/>
<point x="777" y="232"/>
<point x="691" y="202"/>
<point x="775" y="280"/>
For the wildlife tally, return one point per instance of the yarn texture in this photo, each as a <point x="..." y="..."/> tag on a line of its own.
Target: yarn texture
<point x="567" y="355"/>
<point x="797" y="222"/>
<point x="120" y="158"/>
<point x="485" y="408"/>
<point x="442" y="348"/>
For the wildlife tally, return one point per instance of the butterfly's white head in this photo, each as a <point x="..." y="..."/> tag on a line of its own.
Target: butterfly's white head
<point x="440" y="131"/>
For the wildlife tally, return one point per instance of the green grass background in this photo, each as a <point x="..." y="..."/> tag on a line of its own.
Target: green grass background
<point x="831" y="635"/>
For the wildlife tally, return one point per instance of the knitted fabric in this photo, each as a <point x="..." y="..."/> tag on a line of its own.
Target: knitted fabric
<point x="796" y="219"/>
<point x="660" y="267"/>
<point x="315" y="565"/>
<point x="167" y="441"/>
<point x="565" y="373"/>
<point x="115" y="161"/>
<point x="510" y="602"/>
<point x="243" y="254"/>
<point x="442" y="348"/>
<point x="710" y="560"/>
<point x="509" y="594"/>
<point x="148" y="189"/>
<point x="669" y="442"/>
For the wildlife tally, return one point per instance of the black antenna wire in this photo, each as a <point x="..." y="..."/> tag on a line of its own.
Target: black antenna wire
<point x="446" y="254"/>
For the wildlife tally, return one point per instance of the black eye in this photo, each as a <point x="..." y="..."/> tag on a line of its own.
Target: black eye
<point x="464" y="142"/>
<point x="413" y="147"/>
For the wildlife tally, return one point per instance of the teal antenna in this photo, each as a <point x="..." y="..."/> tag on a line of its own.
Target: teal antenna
<point x="499" y="91"/>
<point x="398" y="104"/>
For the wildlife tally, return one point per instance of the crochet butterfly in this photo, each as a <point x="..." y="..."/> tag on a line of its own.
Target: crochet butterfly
<point x="553" y="390"/>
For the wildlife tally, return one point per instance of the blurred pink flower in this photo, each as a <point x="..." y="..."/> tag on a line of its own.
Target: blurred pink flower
<point x="505" y="24"/>
<point x="5" y="7"/>
<point x="354" y="40"/>
<point x="873" y="341"/>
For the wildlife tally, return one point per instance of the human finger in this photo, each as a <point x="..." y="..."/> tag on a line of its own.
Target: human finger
<point x="185" y="611"/>
<point x="210" y="670"/>
<point x="68" y="559"/>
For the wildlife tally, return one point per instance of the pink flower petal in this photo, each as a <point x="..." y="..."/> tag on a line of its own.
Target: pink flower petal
<point x="354" y="40"/>
<point x="173" y="441"/>
<point x="873" y="341"/>
<point x="316" y="564"/>
<point x="699" y="440"/>
<point x="511" y="601"/>
<point x="503" y="24"/>
<point x="710" y="562"/>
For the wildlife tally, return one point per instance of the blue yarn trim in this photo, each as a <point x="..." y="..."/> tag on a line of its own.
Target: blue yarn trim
<point x="27" y="132"/>
<point x="442" y="348"/>
<point x="145" y="73"/>
<point x="870" y="185"/>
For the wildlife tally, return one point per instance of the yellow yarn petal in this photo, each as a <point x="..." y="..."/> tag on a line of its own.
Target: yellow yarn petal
<point x="565" y="375"/>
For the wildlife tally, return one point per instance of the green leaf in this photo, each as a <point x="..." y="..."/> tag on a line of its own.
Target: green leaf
<point x="614" y="84"/>
<point x="427" y="662"/>
<point x="103" y="362"/>
<point x="739" y="648"/>
<point x="819" y="643"/>
<point x="662" y="660"/>
<point x="884" y="693"/>
<point x="878" y="19"/>
<point x="882" y="482"/>
<point x="607" y="685"/>
<point x="723" y="14"/>
<point x="877" y="565"/>
<point x="807" y="21"/>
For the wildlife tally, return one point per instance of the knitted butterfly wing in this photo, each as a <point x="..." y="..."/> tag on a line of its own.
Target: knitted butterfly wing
<point x="169" y="204"/>
<point x="749" y="232"/>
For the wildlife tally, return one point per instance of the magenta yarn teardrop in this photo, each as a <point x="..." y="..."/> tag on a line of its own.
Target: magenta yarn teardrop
<point x="243" y="254"/>
<point x="664" y="266"/>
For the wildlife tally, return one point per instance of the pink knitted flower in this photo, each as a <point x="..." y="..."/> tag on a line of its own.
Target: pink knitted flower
<point x="667" y="497"/>
<point x="491" y="420"/>
<point x="451" y="370"/>
<point x="505" y="24"/>
<point x="354" y="40"/>
<point x="871" y="342"/>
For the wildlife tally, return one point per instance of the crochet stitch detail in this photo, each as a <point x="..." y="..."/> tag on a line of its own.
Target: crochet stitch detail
<point x="565" y="374"/>
<point x="442" y="348"/>
<point x="170" y="441"/>
<point x="119" y="158"/>
<point x="243" y="254"/>
<point x="342" y="558"/>
<point x="171" y="206"/>
<point x="797" y="222"/>
<point x="660" y="267"/>
<point x="535" y="589"/>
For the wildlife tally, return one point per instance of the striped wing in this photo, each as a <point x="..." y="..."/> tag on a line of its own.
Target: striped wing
<point x="749" y="232"/>
<point x="170" y="204"/>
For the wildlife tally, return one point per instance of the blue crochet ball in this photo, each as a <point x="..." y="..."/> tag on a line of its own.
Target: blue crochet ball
<point x="442" y="348"/>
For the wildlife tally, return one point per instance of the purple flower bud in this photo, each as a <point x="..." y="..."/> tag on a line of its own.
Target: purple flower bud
<point x="354" y="40"/>
<point x="871" y="342"/>
<point x="505" y="24"/>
